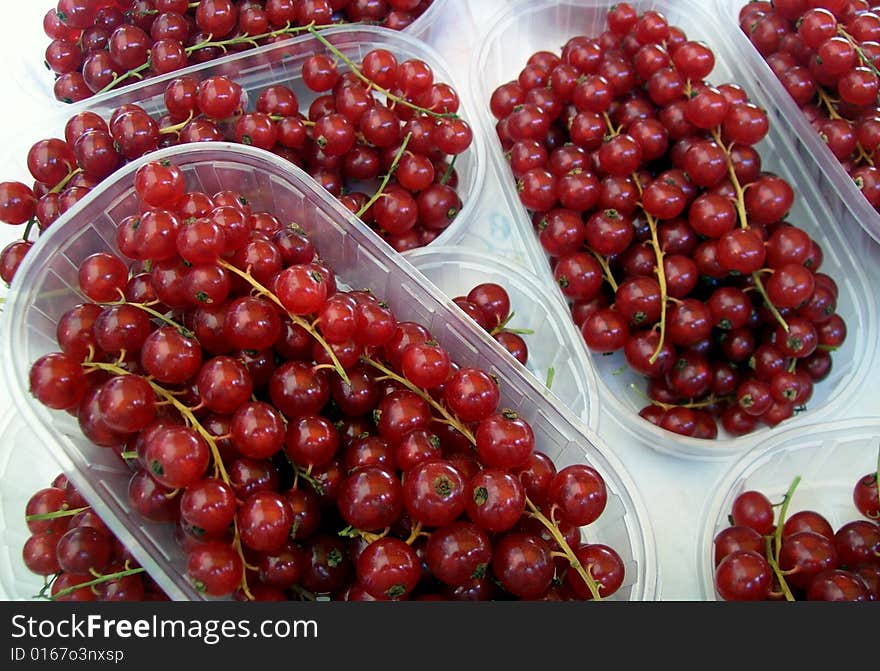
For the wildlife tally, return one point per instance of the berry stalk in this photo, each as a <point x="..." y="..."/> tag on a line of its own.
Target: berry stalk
<point x="184" y="410"/>
<point x="296" y="319"/>
<point x="606" y="269"/>
<point x="744" y="224"/>
<point x="863" y="57"/>
<point x="453" y="421"/>
<point x="193" y="422"/>
<point x="371" y="84"/>
<point x="99" y="579"/>
<point x="252" y="40"/>
<point x="387" y="178"/>
<point x="64" y="512"/>
<point x="776" y="541"/>
<point x="145" y="307"/>
<point x="658" y="252"/>
<point x="447" y="416"/>
<point x="833" y="114"/>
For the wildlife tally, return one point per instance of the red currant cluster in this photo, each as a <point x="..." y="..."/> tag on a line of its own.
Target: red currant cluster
<point x="349" y="137"/>
<point x="664" y="233"/>
<point x="826" y="54"/>
<point x="488" y="304"/>
<point x="100" y="44"/>
<point x="799" y="557"/>
<point x="305" y="441"/>
<point x="78" y="555"/>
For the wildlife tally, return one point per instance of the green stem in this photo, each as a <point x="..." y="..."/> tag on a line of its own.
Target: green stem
<point x="27" y="229"/>
<point x="774" y="565"/>
<point x="296" y="319"/>
<point x="661" y="279"/>
<point x="360" y="75"/>
<point x="551" y="373"/>
<point x="777" y="537"/>
<point x="832" y="112"/>
<point x="449" y="169"/>
<point x="184" y="410"/>
<point x="305" y="475"/>
<point x="135" y="72"/>
<point x="607" y="270"/>
<point x="253" y="40"/>
<point x="176" y="128"/>
<point x="387" y="178"/>
<point x="70" y="512"/>
<point x="734" y="180"/>
<point x="97" y="581"/>
<point x="58" y="188"/>
<point x="192" y="421"/>
<point x="502" y="327"/>
<point x="744" y="224"/>
<point x="705" y="403"/>
<point x="867" y="62"/>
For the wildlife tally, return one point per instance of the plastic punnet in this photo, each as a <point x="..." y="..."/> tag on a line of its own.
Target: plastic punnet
<point x="829" y="458"/>
<point x="526" y="26"/>
<point x="46" y="285"/>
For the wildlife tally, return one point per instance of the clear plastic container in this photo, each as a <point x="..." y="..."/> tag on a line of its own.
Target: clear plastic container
<point x="26" y="465"/>
<point x="45" y="287"/>
<point x="554" y="341"/>
<point x="28" y="46"/>
<point x="279" y="63"/>
<point x="819" y="162"/>
<point x="526" y="26"/>
<point x="829" y="457"/>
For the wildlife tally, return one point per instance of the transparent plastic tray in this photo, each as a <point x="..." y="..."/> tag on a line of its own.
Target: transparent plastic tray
<point x="45" y="287"/>
<point x="829" y="458"/>
<point x="26" y="465"/>
<point x="553" y="344"/>
<point x="273" y="64"/>
<point x="28" y="48"/>
<point x="819" y="162"/>
<point x="526" y="26"/>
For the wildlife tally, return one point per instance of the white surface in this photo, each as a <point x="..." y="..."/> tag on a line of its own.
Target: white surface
<point x="675" y="490"/>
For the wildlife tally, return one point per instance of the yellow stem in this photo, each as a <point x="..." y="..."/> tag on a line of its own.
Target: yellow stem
<point x="566" y="549"/>
<point x="447" y="416"/>
<point x="296" y="319"/>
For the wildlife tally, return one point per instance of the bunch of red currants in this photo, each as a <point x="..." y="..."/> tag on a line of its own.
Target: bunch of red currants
<point x="801" y="557"/>
<point x="488" y="304"/>
<point x="826" y="54"/>
<point x="80" y="558"/>
<point x="98" y="45"/>
<point x="668" y="239"/>
<point x="377" y="124"/>
<point x="305" y="442"/>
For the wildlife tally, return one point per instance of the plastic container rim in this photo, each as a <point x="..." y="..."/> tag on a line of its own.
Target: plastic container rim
<point x="503" y="265"/>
